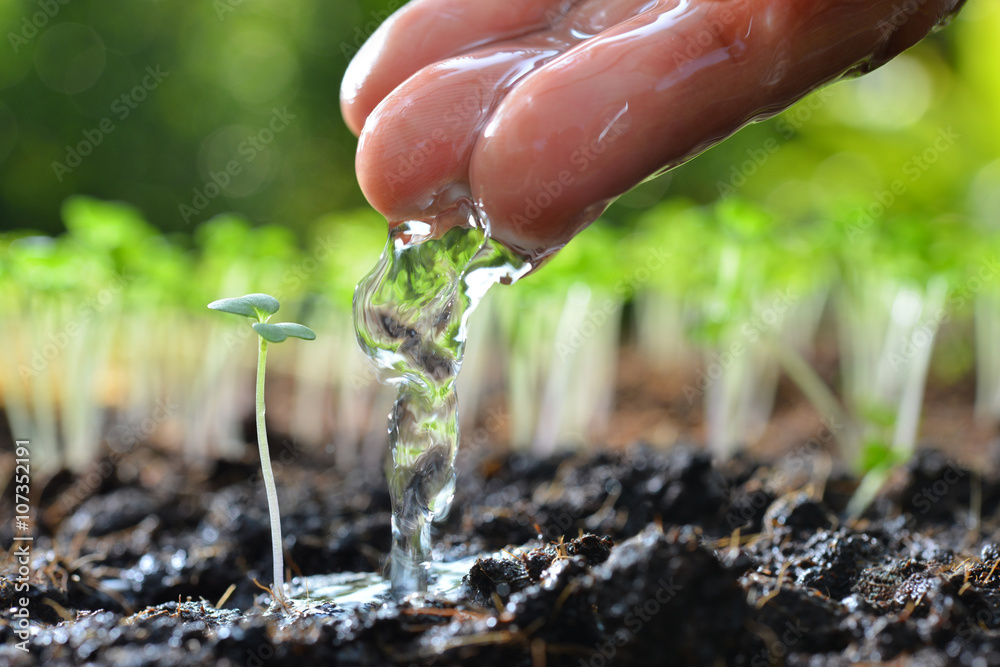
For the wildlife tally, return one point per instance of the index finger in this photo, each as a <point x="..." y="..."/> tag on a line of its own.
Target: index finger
<point x="427" y="31"/>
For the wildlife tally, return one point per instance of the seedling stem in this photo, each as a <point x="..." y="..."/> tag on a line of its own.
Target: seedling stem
<point x="269" y="486"/>
<point x="260" y="307"/>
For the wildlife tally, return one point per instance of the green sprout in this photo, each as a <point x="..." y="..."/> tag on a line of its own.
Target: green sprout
<point x="260" y="307"/>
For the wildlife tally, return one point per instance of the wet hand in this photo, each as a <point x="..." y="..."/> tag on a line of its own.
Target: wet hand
<point x="544" y="111"/>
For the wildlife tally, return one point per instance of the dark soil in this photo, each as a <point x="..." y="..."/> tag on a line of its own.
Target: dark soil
<point x="644" y="558"/>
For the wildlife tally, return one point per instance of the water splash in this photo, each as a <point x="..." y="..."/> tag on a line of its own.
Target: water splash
<point x="337" y="594"/>
<point x="411" y="314"/>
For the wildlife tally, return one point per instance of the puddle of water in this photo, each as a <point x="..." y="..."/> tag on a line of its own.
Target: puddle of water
<point x="343" y="592"/>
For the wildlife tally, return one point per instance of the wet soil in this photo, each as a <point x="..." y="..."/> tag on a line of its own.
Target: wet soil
<point x="642" y="557"/>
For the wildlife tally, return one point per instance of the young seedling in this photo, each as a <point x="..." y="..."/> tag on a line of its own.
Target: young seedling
<point x="260" y="308"/>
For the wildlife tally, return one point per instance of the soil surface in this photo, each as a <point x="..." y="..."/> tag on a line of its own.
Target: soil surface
<point x="646" y="557"/>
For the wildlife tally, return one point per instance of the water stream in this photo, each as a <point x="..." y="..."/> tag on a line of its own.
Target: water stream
<point x="412" y="316"/>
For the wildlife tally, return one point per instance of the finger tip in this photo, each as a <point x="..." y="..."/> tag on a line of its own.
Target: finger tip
<point x="369" y="165"/>
<point x="353" y="117"/>
<point x="370" y="76"/>
<point x="399" y="174"/>
<point x="530" y="189"/>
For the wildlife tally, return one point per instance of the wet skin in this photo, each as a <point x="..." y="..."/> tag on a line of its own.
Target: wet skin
<point x="543" y="111"/>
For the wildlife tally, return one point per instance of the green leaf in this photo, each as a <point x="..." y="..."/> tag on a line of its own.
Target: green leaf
<point x="275" y="333"/>
<point x="878" y="455"/>
<point x="250" y="305"/>
<point x="104" y="224"/>
<point x="298" y="330"/>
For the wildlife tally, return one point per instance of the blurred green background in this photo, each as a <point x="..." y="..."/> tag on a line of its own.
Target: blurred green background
<point x="876" y="200"/>
<point x="223" y="68"/>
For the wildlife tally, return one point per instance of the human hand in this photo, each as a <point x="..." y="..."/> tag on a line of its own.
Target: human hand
<point x="543" y="111"/>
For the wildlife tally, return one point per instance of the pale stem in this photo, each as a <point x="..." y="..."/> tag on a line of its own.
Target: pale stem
<point x="272" y="492"/>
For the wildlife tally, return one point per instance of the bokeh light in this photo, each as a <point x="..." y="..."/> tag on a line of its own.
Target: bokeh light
<point x="70" y="58"/>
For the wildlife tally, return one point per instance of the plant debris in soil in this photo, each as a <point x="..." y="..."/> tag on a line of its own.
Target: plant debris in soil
<point x="646" y="557"/>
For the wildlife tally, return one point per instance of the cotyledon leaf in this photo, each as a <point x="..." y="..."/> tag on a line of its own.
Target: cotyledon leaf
<point x="275" y="333"/>
<point x="249" y="305"/>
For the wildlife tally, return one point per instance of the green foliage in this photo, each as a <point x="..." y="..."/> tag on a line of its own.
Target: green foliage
<point x="259" y="306"/>
<point x="728" y="260"/>
<point x="275" y="333"/>
<point x="345" y="245"/>
<point x="223" y="68"/>
<point x="597" y="261"/>
<point x="104" y="225"/>
<point x="807" y="205"/>
<point x="877" y="455"/>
